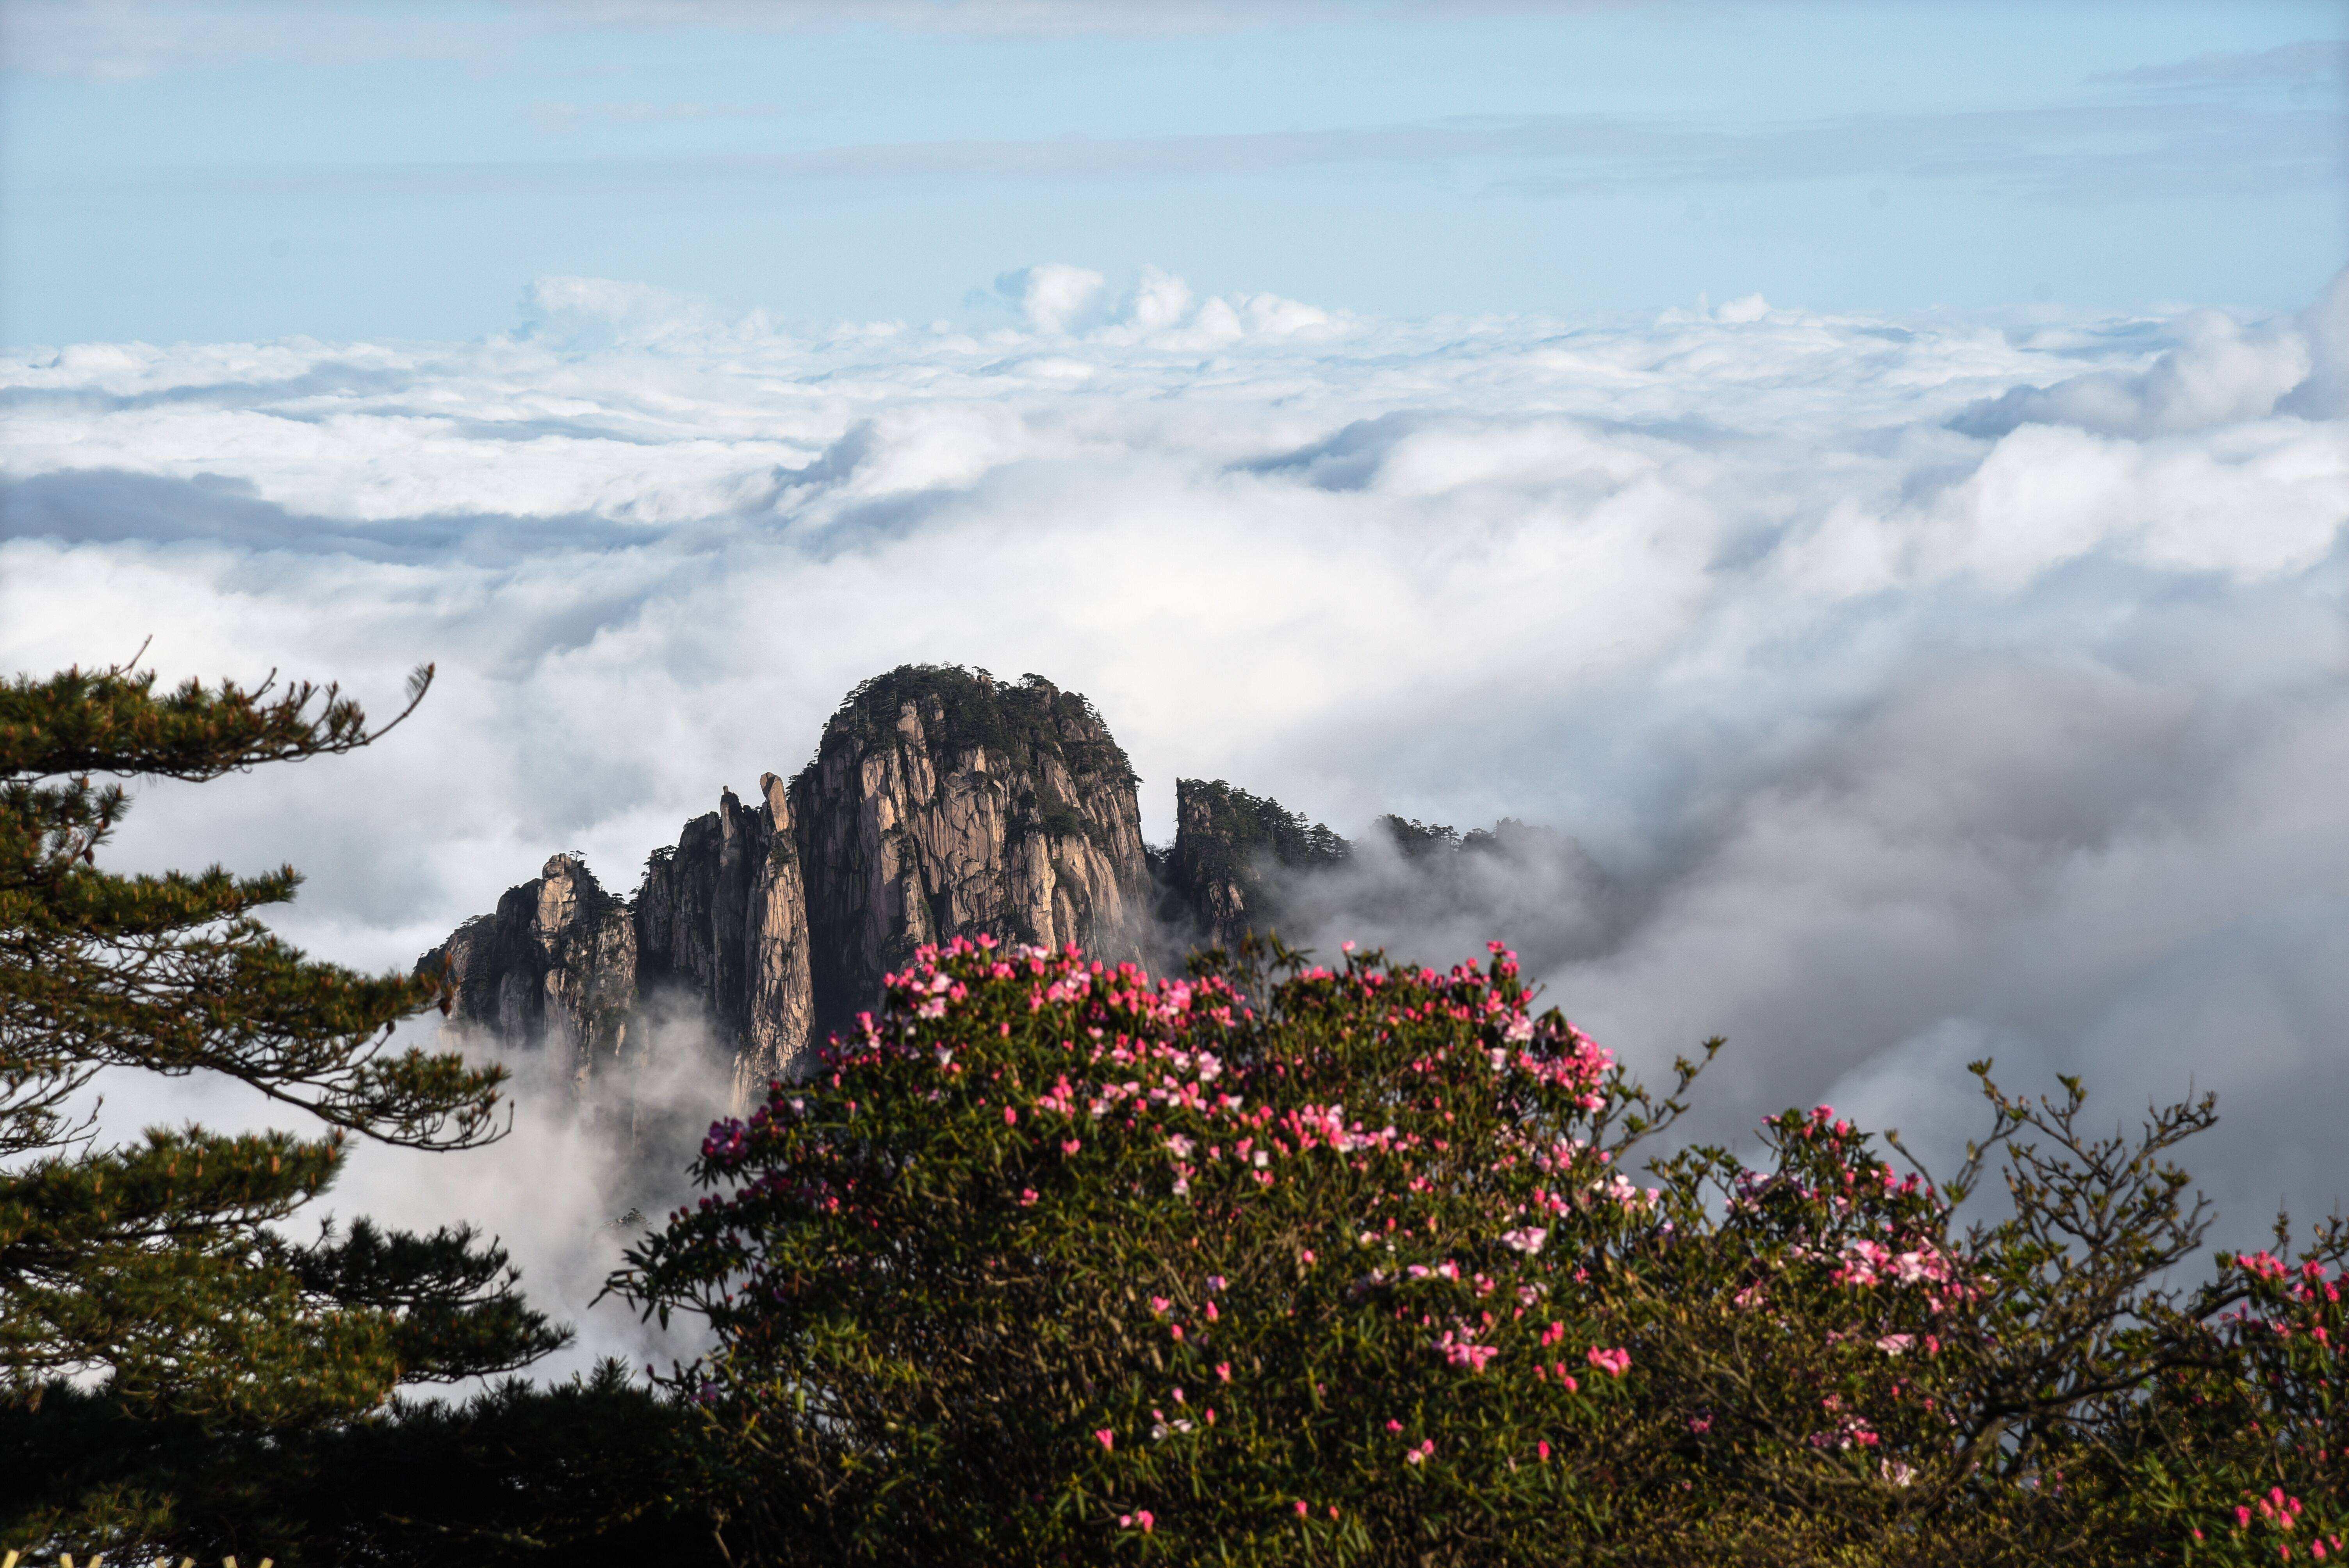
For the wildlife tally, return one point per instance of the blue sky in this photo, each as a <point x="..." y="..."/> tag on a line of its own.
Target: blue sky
<point x="227" y="170"/>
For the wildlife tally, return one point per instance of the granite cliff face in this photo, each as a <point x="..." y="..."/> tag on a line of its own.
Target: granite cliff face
<point x="779" y="992"/>
<point x="941" y="803"/>
<point x="721" y="919"/>
<point x="556" y="963"/>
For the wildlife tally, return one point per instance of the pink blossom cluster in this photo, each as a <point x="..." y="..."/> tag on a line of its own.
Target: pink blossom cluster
<point x="2280" y="1513"/>
<point x="1459" y="1349"/>
<point x="2292" y="1301"/>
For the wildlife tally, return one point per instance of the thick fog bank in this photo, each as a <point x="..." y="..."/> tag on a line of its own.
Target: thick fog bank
<point x="1899" y="690"/>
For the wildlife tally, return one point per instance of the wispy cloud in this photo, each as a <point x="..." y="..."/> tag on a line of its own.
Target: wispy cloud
<point x="2311" y="61"/>
<point x="2082" y="152"/>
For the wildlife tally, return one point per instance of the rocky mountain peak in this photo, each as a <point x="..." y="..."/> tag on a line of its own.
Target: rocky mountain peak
<point x="944" y="802"/>
<point x="940" y="802"/>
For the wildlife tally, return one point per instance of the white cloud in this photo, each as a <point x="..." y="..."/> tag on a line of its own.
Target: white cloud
<point x="2325" y="323"/>
<point x="2218" y="373"/>
<point x="1053" y="296"/>
<point x="1880" y="738"/>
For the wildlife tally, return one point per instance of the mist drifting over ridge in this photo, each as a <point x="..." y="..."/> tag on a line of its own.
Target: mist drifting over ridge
<point x="1911" y="689"/>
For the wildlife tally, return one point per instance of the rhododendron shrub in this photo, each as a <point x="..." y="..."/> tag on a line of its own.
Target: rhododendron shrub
<point x="1054" y="1263"/>
<point x="2248" y="1446"/>
<point x="2026" y="1390"/>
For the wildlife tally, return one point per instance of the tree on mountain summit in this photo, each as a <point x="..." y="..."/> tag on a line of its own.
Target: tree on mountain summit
<point x="155" y="1265"/>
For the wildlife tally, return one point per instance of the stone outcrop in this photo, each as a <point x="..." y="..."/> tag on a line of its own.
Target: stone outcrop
<point x="1222" y="877"/>
<point x="778" y="992"/>
<point x="557" y="963"/>
<point x="941" y="802"/>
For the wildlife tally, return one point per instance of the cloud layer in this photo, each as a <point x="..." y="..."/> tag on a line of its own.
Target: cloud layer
<point x="1911" y="689"/>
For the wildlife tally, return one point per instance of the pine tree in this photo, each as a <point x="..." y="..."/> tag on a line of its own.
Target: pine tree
<point x="158" y="1266"/>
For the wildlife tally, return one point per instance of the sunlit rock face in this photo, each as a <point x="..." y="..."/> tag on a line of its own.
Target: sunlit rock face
<point x="556" y="963"/>
<point x="941" y="803"/>
<point x="722" y="920"/>
<point x="777" y="994"/>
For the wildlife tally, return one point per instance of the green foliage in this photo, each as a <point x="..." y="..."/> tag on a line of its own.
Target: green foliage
<point x="158" y="1266"/>
<point x="1415" y="837"/>
<point x="1220" y="875"/>
<point x="588" y="1470"/>
<point x="1056" y="1265"/>
<point x="1236" y="830"/>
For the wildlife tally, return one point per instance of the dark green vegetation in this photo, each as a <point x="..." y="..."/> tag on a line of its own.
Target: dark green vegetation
<point x="1241" y="828"/>
<point x="1223" y="876"/>
<point x="170" y="1360"/>
<point x="581" y="1473"/>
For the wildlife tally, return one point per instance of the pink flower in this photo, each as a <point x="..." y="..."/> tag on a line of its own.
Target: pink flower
<point x="1543" y="1448"/>
<point x="1010" y="1116"/>
<point x="1301" y="1507"/>
<point x="1107" y="1438"/>
<point x="1395" y="1426"/>
<point x="1071" y="1145"/>
<point x="1614" y="1363"/>
<point x="1027" y="1197"/>
<point x="1224" y="1370"/>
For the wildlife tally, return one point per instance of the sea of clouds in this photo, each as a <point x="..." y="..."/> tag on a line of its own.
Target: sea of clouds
<point x="1899" y="690"/>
